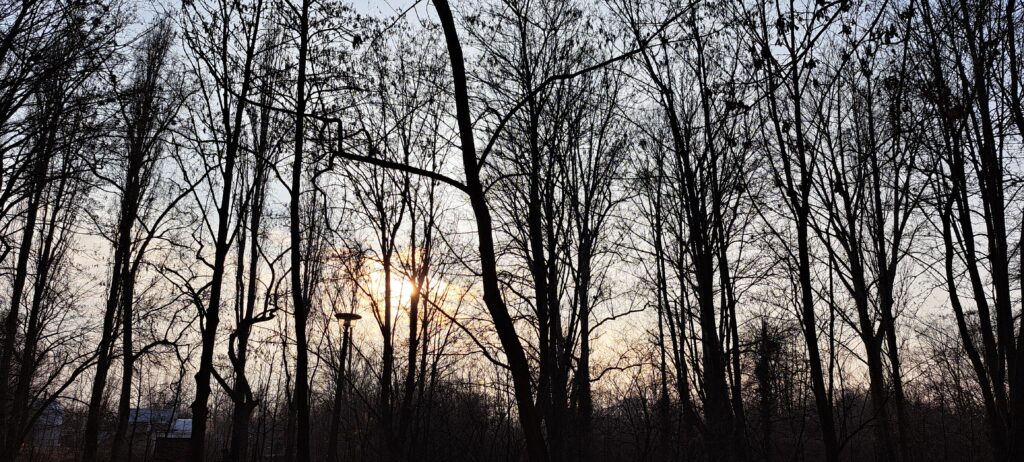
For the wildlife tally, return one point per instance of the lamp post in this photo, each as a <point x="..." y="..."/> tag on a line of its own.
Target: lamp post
<point x="345" y="322"/>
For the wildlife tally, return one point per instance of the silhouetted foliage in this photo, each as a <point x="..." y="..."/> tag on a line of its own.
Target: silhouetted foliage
<point x="553" y="230"/>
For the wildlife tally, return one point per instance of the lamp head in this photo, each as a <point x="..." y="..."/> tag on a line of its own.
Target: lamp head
<point x="347" y="319"/>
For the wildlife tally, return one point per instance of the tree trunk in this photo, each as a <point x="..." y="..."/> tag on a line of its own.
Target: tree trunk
<point x="37" y="182"/>
<point x="335" y="429"/>
<point x="518" y="365"/>
<point x="47" y="258"/>
<point x="810" y="331"/>
<point x="127" y="369"/>
<point x="299" y="302"/>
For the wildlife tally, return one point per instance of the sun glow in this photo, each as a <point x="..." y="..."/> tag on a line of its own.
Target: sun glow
<point x="365" y="288"/>
<point x="402" y="289"/>
<point x="436" y="294"/>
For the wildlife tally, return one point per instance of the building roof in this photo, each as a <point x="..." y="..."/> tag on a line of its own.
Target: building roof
<point x="181" y="428"/>
<point x="150" y="415"/>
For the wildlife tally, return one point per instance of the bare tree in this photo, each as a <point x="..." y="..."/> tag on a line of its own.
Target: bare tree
<point x="212" y="47"/>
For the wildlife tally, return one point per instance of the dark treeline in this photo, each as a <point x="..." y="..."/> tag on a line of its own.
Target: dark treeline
<point x="503" y="230"/>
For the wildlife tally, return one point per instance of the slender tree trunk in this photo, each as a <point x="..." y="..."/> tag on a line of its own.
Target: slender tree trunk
<point x="765" y="389"/>
<point x="335" y="429"/>
<point x="558" y="350"/>
<point x="37" y="181"/>
<point x="810" y="331"/>
<point x="388" y="353"/>
<point x="664" y="416"/>
<point x="1016" y="107"/>
<point x="103" y="360"/>
<point x="232" y="123"/>
<point x="516" y="357"/>
<point x="690" y="419"/>
<point x="127" y="369"/>
<point x="538" y="270"/>
<point x="586" y="403"/>
<point x="996" y="425"/>
<point x="299" y="302"/>
<point x="420" y="264"/>
<point x="200" y="411"/>
<point x="21" y="405"/>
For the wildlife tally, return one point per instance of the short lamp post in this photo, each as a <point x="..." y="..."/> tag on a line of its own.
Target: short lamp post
<point x="345" y="322"/>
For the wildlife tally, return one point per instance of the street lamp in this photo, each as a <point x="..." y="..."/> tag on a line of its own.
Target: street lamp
<point x="345" y="322"/>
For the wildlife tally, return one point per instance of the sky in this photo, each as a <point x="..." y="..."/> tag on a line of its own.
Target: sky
<point x="933" y="302"/>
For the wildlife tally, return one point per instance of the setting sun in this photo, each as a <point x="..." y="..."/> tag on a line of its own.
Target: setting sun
<point x="401" y="288"/>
